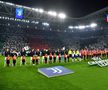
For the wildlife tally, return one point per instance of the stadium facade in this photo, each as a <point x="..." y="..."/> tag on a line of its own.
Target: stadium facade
<point x="38" y="29"/>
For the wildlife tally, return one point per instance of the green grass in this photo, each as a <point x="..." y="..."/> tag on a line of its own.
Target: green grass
<point x="27" y="77"/>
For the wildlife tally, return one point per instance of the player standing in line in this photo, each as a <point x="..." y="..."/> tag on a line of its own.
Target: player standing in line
<point x="23" y="52"/>
<point x="62" y="55"/>
<point x="77" y="55"/>
<point x="50" y="58"/>
<point x="38" y="52"/>
<point x="14" y="58"/>
<point x="65" y="58"/>
<point x="37" y="56"/>
<point x="85" y="54"/>
<point x="88" y="54"/>
<point x="7" y="52"/>
<point x="37" y="59"/>
<point x="46" y="58"/>
<point x="80" y="57"/>
<point x="32" y="53"/>
<point x="8" y="60"/>
<point x="33" y="60"/>
<point x="59" y="58"/>
<point x="73" y="55"/>
<point x="70" y="53"/>
<point x="54" y="58"/>
<point x="43" y="55"/>
<point x="94" y="53"/>
<point x="82" y="54"/>
<point x="23" y="60"/>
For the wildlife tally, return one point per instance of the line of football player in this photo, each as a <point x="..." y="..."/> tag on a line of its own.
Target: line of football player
<point x="49" y="57"/>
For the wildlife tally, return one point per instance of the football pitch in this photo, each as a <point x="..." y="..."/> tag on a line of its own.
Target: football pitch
<point x="28" y="78"/>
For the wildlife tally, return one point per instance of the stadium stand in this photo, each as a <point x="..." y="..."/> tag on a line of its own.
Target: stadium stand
<point x="17" y="34"/>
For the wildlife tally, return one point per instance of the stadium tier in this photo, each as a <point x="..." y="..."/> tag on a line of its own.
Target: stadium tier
<point x="40" y="30"/>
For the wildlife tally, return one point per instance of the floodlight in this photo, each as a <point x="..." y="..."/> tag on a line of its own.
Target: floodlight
<point x="62" y="15"/>
<point x="93" y="25"/>
<point x="35" y="9"/>
<point x="9" y="3"/>
<point x="52" y="13"/>
<point x="76" y="27"/>
<point x="26" y="7"/>
<point x="87" y="26"/>
<point x="1" y="2"/>
<point x="3" y="17"/>
<point x="28" y="21"/>
<point x="11" y="18"/>
<point x="37" y="22"/>
<point x="70" y="27"/>
<point x="8" y="18"/>
<point x="82" y="27"/>
<point x="19" y="6"/>
<point x="45" y="24"/>
<point x="41" y="10"/>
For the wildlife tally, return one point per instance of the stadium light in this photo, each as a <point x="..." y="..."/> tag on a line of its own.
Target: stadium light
<point x="11" y="18"/>
<point x="35" y="9"/>
<point x="52" y="13"/>
<point x="62" y="15"/>
<point x="70" y="27"/>
<point x="93" y="25"/>
<point x="3" y="17"/>
<point x="76" y="27"/>
<point x="37" y="22"/>
<point x="87" y="26"/>
<point x="10" y="3"/>
<point x="1" y="2"/>
<point x="45" y="24"/>
<point x="26" y="7"/>
<point x="82" y="27"/>
<point x="19" y="6"/>
<point x="40" y="10"/>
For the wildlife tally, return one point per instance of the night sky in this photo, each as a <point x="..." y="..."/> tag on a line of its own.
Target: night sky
<point x="73" y="8"/>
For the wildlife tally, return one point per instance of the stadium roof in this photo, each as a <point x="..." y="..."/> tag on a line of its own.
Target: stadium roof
<point x="96" y="13"/>
<point x="52" y="13"/>
<point x="73" y="8"/>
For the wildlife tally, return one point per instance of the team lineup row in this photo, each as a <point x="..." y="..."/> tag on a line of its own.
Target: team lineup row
<point x="44" y="59"/>
<point x="36" y="58"/>
<point x="47" y="59"/>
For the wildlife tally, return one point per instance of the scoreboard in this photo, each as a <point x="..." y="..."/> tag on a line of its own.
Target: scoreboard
<point x="19" y="13"/>
<point x="107" y="17"/>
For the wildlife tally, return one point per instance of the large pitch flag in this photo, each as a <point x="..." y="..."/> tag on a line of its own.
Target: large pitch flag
<point x="54" y="71"/>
